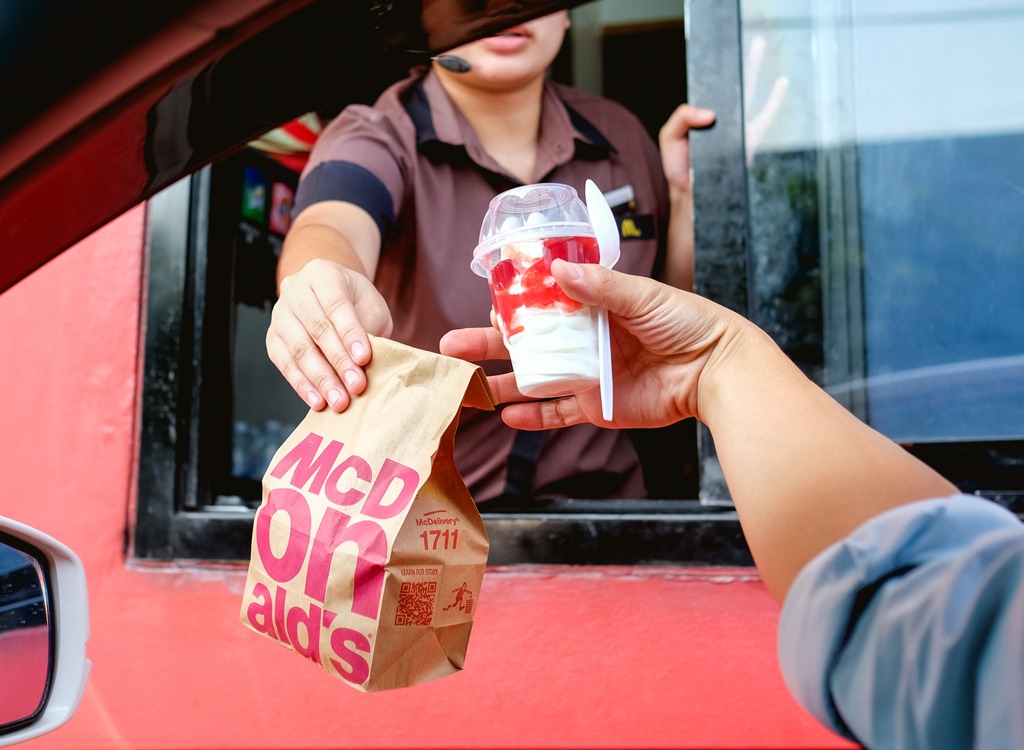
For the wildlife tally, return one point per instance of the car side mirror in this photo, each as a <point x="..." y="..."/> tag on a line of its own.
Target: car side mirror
<point x="44" y="626"/>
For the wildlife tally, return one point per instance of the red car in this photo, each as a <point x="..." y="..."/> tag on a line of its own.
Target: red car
<point x="134" y="133"/>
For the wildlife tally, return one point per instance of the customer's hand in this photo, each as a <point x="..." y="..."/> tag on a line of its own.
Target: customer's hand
<point x="317" y="336"/>
<point x="662" y="338"/>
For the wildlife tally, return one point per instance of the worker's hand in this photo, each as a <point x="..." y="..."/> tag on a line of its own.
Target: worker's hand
<point x="318" y="332"/>
<point x="674" y="143"/>
<point x="662" y="338"/>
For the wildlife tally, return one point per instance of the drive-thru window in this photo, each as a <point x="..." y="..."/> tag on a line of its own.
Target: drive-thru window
<point x="863" y="209"/>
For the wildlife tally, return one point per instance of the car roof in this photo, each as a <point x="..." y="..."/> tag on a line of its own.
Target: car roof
<point x="108" y="101"/>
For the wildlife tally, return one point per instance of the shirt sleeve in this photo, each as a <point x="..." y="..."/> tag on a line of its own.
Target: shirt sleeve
<point x="359" y="159"/>
<point x="910" y="632"/>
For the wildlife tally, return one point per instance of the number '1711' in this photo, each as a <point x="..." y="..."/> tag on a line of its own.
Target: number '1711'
<point x="437" y="539"/>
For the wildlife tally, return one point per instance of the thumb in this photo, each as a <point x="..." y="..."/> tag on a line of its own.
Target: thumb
<point x="622" y="294"/>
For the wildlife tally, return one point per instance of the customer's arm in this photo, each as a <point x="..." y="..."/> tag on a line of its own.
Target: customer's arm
<point x="803" y="472"/>
<point x="903" y="600"/>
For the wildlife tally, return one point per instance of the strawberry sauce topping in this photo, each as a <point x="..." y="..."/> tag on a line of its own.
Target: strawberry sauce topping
<point x="517" y="283"/>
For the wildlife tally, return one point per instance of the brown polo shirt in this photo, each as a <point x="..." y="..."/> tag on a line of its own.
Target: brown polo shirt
<point x="414" y="163"/>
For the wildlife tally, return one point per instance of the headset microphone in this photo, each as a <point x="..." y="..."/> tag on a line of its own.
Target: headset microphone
<point x="453" y="63"/>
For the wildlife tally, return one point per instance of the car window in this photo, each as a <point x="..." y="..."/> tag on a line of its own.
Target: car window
<point x="213" y="247"/>
<point x="869" y="229"/>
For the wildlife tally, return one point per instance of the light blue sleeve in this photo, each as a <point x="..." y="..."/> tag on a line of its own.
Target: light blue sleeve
<point x="910" y="633"/>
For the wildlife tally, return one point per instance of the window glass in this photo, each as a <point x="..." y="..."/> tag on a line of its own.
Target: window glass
<point x="885" y="146"/>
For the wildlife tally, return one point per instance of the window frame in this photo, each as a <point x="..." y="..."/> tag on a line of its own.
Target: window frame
<point x="176" y="518"/>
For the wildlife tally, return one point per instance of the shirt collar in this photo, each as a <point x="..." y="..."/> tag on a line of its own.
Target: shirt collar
<point x="442" y="131"/>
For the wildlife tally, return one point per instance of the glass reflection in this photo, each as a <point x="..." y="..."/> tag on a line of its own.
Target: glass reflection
<point x="886" y="205"/>
<point x="24" y="636"/>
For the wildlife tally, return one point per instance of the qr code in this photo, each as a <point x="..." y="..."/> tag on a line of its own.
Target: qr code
<point x="416" y="603"/>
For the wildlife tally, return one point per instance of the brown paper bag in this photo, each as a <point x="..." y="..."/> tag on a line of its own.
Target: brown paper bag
<point x="368" y="552"/>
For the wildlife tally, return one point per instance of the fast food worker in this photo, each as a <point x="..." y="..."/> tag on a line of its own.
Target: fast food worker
<point x="388" y="211"/>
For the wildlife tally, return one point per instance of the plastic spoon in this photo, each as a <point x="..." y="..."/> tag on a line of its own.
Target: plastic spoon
<point x="606" y="228"/>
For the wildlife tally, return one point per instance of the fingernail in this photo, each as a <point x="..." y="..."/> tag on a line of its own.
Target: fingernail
<point x="358" y="350"/>
<point x="351" y="378"/>
<point x="313" y="399"/>
<point x="573" y="271"/>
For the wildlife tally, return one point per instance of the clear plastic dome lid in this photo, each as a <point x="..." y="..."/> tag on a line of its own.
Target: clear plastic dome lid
<point x="531" y="212"/>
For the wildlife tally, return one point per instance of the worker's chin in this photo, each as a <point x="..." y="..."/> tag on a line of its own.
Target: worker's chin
<point x="504" y="73"/>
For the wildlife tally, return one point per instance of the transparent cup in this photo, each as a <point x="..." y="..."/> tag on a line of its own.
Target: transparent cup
<point x="552" y="338"/>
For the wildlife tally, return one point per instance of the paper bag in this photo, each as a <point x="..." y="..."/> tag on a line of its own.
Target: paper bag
<point x="367" y="551"/>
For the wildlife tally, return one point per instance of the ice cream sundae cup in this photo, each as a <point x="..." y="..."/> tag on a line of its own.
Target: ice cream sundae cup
<point x="552" y="338"/>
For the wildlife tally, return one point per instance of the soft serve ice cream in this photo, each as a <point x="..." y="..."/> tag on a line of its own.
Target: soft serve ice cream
<point x="552" y="338"/>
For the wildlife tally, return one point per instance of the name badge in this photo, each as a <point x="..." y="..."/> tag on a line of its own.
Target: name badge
<point x="622" y="201"/>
